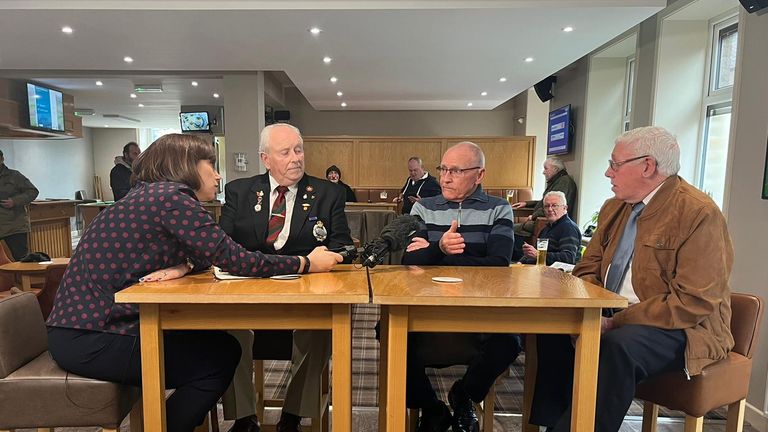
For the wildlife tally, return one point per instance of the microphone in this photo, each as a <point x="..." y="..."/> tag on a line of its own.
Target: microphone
<point x="349" y="251"/>
<point x="394" y="237"/>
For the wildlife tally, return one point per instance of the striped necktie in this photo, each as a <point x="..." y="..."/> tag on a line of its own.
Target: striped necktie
<point x="277" y="219"/>
<point x="624" y="251"/>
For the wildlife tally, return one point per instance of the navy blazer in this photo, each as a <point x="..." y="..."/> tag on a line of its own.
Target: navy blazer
<point x="323" y="201"/>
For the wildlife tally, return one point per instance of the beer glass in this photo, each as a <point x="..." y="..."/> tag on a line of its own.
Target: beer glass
<point x="541" y="251"/>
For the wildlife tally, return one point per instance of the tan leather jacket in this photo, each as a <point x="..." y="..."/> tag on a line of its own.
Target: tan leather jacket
<point x="680" y="269"/>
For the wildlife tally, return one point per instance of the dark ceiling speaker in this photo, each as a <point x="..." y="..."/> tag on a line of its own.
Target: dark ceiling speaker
<point x="754" y="5"/>
<point x="545" y="89"/>
<point x="282" y="115"/>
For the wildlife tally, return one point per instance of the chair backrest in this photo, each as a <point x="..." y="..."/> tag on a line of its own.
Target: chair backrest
<point x="53" y="275"/>
<point x="6" y="280"/>
<point x="22" y="332"/>
<point x="746" y="316"/>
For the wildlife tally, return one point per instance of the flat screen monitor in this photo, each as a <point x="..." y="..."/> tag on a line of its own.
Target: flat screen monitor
<point x="559" y="131"/>
<point x="195" y="122"/>
<point x="46" y="108"/>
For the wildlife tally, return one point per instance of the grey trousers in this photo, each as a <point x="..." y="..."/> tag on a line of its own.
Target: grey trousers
<point x="311" y="352"/>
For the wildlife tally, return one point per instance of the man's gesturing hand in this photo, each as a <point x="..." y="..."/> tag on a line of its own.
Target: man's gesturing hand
<point x="452" y="243"/>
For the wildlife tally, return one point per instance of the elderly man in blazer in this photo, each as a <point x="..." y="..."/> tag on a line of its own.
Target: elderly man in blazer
<point x="284" y="211"/>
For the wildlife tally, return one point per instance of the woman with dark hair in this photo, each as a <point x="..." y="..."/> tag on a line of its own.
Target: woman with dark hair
<point x="333" y="174"/>
<point x="158" y="231"/>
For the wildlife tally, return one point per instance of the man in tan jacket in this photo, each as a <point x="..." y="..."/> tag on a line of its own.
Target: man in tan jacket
<point x="664" y="245"/>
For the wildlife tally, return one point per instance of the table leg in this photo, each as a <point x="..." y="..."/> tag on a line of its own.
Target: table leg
<point x="585" y="372"/>
<point x="26" y="282"/>
<point x="383" y="355"/>
<point x="397" y="350"/>
<point x="152" y="365"/>
<point x="342" y="368"/>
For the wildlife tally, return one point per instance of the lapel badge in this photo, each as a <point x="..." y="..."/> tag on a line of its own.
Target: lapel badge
<point x="304" y="197"/>
<point x="319" y="231"/>
<point x="310" y="188"/>
<point x="305" y="206"/>
<point x="259" y="198"/>
<point x="313" y="197"/>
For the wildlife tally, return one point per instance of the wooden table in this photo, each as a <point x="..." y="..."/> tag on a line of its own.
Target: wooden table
<point x="517" y="299"/>
<point x="25" y="271"/>
<point x="319" y="301"/>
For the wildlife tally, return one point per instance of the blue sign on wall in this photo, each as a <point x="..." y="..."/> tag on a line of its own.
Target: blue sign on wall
<point x="559" y="131"/>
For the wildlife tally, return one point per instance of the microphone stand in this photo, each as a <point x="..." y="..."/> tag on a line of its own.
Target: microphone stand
<point x="370" y="286"/>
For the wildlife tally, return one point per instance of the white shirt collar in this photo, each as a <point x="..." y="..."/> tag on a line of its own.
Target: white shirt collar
<point x="648" y="197"/>
<point x="273" y="184"/>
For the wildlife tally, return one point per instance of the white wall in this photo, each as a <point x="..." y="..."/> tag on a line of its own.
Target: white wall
<point x="56" y="167"/>
<point x="680" y="85"/>
<point x="536" y="124"/>
<point x="108" y="143"/>
<point x="244" y="109"/>
<point x="747" y="213"/>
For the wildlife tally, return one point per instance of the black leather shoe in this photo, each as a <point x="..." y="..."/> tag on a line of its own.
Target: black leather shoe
<point x="246" y="424"/>
<point x="464" y="417"/>
<point x="438" y="420"/>
<point x="289" y="423"/>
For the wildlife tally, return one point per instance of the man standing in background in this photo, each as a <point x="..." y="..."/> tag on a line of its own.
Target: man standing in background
<point x="120" y="176"/>
<point x="16" y="191"/>
<point x="420" y="184"/>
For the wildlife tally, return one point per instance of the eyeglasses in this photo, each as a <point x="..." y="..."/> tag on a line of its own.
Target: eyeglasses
<point x="616" y="164"/>
<point x="553" y="206"/>
<point x="456" y="172"/>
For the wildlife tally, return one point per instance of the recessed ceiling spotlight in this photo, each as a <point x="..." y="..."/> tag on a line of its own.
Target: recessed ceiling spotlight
<point x="133" y="96"/>
<point x="528" y="59"/>
<point x="339" y="94"/>
<point x="469" y="104"/>
<point x="67" y="30"/>
<point x="327" y="60"/>
<point x="216" y="95"/>
<point x="315" y="30"/>
<point x="568" y="29"/>
<point x="99" y="83"/>
<point x="141" y="105"/>
<point x="106" y="125"/>
<point x="343" y="104"/>
<point x="503" y="79"/>
<point x="334" y="79"/>
<point x="484" y="93"/>
<point x="128" y="59"/>
<point x="194" y="83"/>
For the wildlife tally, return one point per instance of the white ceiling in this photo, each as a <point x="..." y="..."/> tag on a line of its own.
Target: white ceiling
<point x="387" y="54"/>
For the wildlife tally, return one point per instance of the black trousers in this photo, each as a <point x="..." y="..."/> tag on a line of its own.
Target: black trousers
<point x="17" y="243"/>
<point x="628" y="355"/>
<point x="488" y="355"/>
<point x="198" y="364"/>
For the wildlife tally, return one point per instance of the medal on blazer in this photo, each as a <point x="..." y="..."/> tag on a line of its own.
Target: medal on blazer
<point x="259" y="197"/>
<point x="319" y="231"/>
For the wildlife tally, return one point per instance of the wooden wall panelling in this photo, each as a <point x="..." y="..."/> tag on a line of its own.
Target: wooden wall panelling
<point x="508" y="160"/>
<point x="320" y="153"/>
<point x="382" y="162"/>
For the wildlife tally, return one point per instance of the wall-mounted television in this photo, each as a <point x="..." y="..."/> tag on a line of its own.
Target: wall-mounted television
<point x="195" y="121"/>
<point x="46" y="108"/>
<point x="559" y="131"/>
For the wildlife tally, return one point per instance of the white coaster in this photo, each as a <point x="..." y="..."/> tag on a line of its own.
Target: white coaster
<point x="45" y="262"/>
<point x="444" y="279"/>
<point x="285" y="277"/>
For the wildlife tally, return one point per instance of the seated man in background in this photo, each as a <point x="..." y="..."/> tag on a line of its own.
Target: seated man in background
<point x="288" y="212"/>
<point x="558" y="179"/>
<point x="664" y="245"/>
<point x="420" y="184"/>
<point x="563" y="234"/>
<point x="333" y="174"/>
<point x="462" y="226"/>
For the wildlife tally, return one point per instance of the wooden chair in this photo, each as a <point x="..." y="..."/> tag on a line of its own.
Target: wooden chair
<point x="6" y="280"/>
<point x="724" y="382"/>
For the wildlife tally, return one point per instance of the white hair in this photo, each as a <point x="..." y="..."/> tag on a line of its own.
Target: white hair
<point x="657" y="143"/>
<point x="555" y="162"/>
<point x="267" y="131"/>
<point x="478" y="152"/>
<point x="559" y="195"/>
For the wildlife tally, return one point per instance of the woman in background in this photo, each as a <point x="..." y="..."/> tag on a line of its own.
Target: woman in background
<point x="159" y="231"/>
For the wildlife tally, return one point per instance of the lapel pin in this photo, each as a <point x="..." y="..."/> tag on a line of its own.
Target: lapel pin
<point x="319" y="231"/>
<point x="305" y="206"/>
<point x="259" y="198"/>
<point x="310" y="188"/>
<point x="304" y="197"/>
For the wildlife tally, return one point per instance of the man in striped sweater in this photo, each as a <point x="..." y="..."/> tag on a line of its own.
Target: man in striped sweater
<point x="464" y="227"/>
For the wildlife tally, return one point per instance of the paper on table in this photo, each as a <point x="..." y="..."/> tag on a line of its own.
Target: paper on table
<point x="222" y="275"/>
<point x="562" y="266"/>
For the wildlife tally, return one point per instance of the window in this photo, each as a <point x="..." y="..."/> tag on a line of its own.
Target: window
<point x="724" y="48"/>
<point x="629" y="86"/>
<point x="714" y="153"/>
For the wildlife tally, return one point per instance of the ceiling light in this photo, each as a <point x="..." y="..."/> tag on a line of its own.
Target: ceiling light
<point x="67" y="30"/>
<point x="141" y="105"/>
<point x="148" y="88"/>
<point x="339" y="94"/>
<point x="133" y="96"/>
<point x="343" y="104"/>
<point x="327" y="59"/>
<point x="99" y="83"/>
<point x="106" y="125"/>
<point x="121" y="117"/>
<point x="334" y="79"/>
<point x="469" y="104"/>
<point x="216" y="95"/>
<point x="483" y="93"/>
<point x="128" y="59"/>
<point x="315" y="30"/>
<point x="194" y="83"/>
<point x="568" y="29"/>
<point x="528" y="59"/>
<point x="503" y="79"/>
